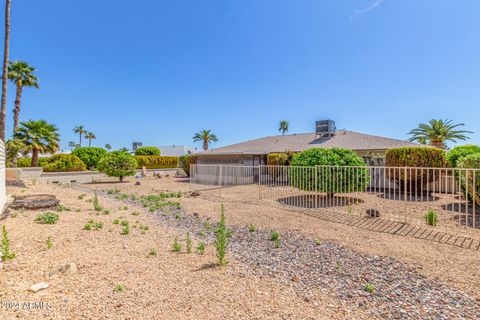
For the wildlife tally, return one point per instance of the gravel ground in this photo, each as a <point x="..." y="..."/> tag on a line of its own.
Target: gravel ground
<point x="398" y="289"/>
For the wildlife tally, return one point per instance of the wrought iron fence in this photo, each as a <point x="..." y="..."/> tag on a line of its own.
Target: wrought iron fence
<point x="433" y="197"/>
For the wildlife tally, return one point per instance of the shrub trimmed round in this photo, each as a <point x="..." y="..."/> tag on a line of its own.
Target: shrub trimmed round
<point x="454" y="155"/>
<point x="64" y="163"/>
<point x="147" y="151"/>
<point x="90" y="155"/>
<point x="118" y="164"/>
<point x="331" y="174"/>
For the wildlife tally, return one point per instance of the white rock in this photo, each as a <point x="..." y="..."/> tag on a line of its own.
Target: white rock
<point x="38" y="286"/>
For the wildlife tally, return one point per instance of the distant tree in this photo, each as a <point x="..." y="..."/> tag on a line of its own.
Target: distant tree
<point x="206" y="136"/>
<point x="38" y="137"/>
<point x="124" y="149"/>
<point x="283" y="126"/>
<point x="147" y="151"/>
<point x="22" y="75"/>
<point x="438" y="132"/>
<point x="90" y="135"/>
<point x="80" y="130"/>
<point x="6" y="51"/>
<point x="108" y="146"/>
<point x="72" y="145"/>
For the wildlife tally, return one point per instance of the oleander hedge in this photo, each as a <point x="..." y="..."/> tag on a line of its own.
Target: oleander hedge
<point x="147" y="151"/>
<point x="456" y="154"/>
<point x="64" y="163"/>
<point x="157" y="162"/>
<point x="27" y="162"/>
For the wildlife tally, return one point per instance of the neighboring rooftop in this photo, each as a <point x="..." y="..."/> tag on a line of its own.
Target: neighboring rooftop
<point x="176" y="151"/>
<point x="299" y="142"/>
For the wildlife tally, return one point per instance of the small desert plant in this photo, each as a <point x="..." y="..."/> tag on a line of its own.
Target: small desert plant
<point x="49" y="242"/>
<point x="188" y="243"/>
<point x="177" y="216"/>
<point x="87" y="226"/>
<point x="119" y="288"/>
<point x="201" y="233"/>
<point x="6" y="253"/>
<point x="61" y="208"/>
<point x="126" y="229"/>
<point x="116" y="221"/>
<point x="176" y="246"/>
<point x="106" y="211"/>
<point x="274" y="235"/>
<point x="125" y="208"/>
<point x="431" y="217"/>
<point x="277" y="243"/>
<point x="221" y="239"/>
<point x="47" y="218"/>
<point x="95" y="225"/>
<point x="370" y="288"/>
<point x="201" y="248"/>
<point x="96" y="204"/>
<point x="135" y="213"/>
<point x="207" y="225"/>
<point x="252" y="228"/>
<point x="124" y="223"/>
<point x="153" y="252"/>
<point x="318" y="242"/>
<point x="80" y="197"/>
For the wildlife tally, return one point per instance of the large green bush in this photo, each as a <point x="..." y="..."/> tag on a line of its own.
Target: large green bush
<point x="118" y="164"/>
<point x="64" y="163"/>
<point x="454" y="155"/>
<point x="470" y="179"/>
<point x="278" y="159"/>
<point x="329" y="170"/>
<point x="90" y="155"/>
<point x="157" y="162"/>
<point x="185" y="162"/>
<point x="27" y="162"/>
<point x="147" y="151"/>
<point x="421" y="157"/>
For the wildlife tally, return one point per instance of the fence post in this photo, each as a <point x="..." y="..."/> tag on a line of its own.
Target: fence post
<point x="316" y="187"/>
<point x="259" y="182"/>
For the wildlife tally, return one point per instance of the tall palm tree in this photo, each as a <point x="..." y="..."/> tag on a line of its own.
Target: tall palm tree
<point x="206" y="136"/>
<point x="3" y="108"/>
<point x="438" y="132"/>
<point x="80" y="130"/>
<point x="38" y="137"/>
<point x="22" y="75"/>
<point x="283" y="126"/>
<point x="90" y="135"/>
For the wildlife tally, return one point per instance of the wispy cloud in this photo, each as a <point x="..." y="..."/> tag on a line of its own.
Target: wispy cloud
<point x="360" y="12"/>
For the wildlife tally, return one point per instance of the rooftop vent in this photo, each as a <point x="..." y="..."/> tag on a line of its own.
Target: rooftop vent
<point x="325" y="128"/>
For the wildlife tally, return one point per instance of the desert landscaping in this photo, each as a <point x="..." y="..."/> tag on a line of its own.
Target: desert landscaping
<point x="281" y="263"/>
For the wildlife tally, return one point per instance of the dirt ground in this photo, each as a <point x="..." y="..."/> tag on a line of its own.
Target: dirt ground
<point x="182" y="286"/>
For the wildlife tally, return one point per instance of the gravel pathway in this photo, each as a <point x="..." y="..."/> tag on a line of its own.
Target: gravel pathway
<point x="381" y="286"/>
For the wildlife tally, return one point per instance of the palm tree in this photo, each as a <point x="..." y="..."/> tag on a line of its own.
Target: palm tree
<point x="206" y="136"/>
<point x="124" y="149"/>
<point x="283" y="126"/>
<point x="72" y="145"/>
<point x="38" y="137"/>
<point x="108" y="146"/>
<point x="3" y="108"/>
<point x="90" y="135"/>
<point x="21" y="74"/>
<point x="80" y="130"/>
<point x="438" y="132"/>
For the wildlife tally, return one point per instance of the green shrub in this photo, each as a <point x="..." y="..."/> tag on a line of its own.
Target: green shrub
<point x="431" y="217"/>
<point x="425" y="157"/>
<point x="47" y="218"/>
<point x="118" y="164"/>
<point x="454" y="155"/>
<point x="5" y="250"/>
<point x="147" y="151"/>
<point x="90" y="155"/>
<point x="27" y="162"/>
<point x="278" y="159"/>
<point x="185" y="162"/>
<point x="470" y="180"/>
<point x="222" y="239"/>
<point x="156" y="162"/>
<point x="331" y="176"/>
<point x="64" y="162"/>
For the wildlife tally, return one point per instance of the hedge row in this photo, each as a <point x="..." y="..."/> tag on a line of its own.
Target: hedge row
<point x="157" y="162"/>
<point x="64" y="163"/>
<point x="27" y="162"/>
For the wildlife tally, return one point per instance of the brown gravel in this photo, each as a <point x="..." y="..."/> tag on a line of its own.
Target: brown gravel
<point x="165" y="286"/>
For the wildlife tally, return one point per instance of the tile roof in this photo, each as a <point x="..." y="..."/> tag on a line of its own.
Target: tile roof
<point x="299" y="142"/>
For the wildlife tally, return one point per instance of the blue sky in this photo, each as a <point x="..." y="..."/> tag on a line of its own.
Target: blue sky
<point x="158" y="71"/>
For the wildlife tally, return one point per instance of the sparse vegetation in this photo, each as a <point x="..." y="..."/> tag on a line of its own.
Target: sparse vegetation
<point x="252" y="228"/>
<point x="189" y="243"/>
<point x="201" y="248"/>
<point x="49" y="242"/>
<point x="92" y="224"/>
<point x="153" y="252"/>
<point x="176" y="246"/>
<point x="96" y="203"/>
<point x="119" y="288"/>
<point x="221" y="239"/>
<point x="47" y="218"/>
<point x="116" y="221"/>
<point x="126" y="229"/>
<point x="431" y="217"/>
<point x="318" y="242"/>
<point x="6" y="253"/>
<point x="274" y="235"/>
<point x="80" y="197"/>
<point x="370" y="288"/>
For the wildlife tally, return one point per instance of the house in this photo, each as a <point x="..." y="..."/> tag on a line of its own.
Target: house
<point x="176" y="151"/>
<point x="254" y="152"/>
